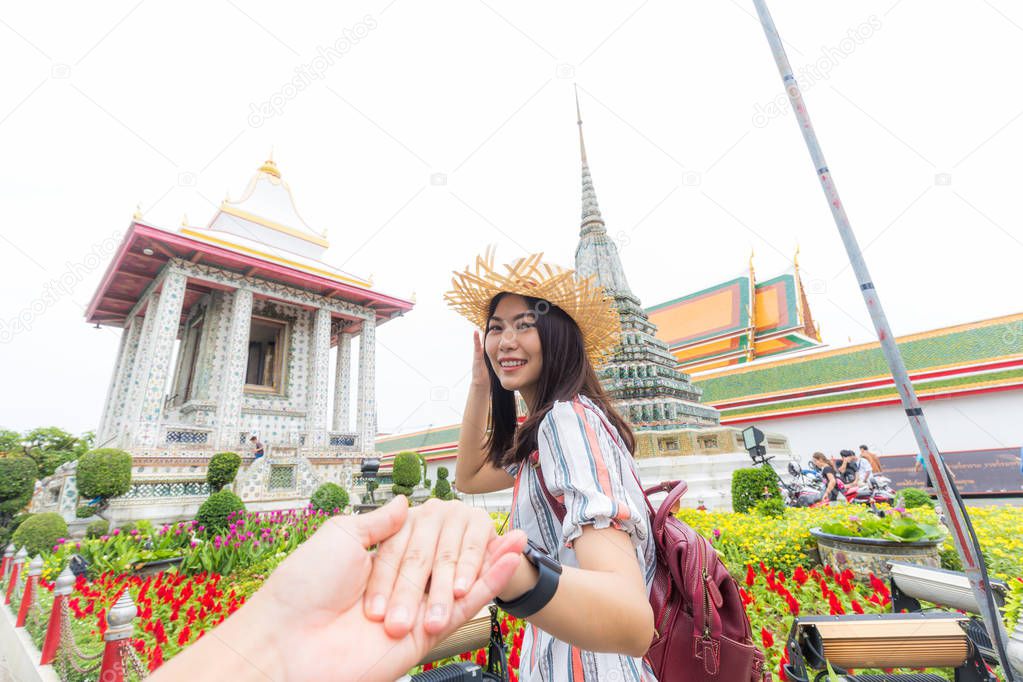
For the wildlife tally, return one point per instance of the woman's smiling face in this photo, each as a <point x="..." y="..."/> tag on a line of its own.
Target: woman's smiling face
<point x="512" y="343"/>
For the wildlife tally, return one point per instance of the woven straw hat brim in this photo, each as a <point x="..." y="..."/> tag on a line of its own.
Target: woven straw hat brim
<point x="583" y="300"/>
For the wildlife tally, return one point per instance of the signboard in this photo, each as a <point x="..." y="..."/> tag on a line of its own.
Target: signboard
<point x="977" y="472"/>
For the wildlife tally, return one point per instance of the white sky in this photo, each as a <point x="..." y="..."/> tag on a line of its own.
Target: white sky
<point x="110" y="104"/>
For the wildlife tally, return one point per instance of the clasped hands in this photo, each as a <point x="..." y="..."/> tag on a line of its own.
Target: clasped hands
<point x="335" y="610"/>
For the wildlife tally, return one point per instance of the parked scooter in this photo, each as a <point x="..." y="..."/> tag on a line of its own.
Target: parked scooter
<point x="806" y="489"/>
<point x="877" y="491"/>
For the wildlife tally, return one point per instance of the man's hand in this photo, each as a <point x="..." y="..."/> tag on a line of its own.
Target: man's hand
<point x="307" y="622"/>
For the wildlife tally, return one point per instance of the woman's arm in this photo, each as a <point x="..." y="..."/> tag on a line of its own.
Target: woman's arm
<point x="473" y="473"/>
<point x="602" y="605"/>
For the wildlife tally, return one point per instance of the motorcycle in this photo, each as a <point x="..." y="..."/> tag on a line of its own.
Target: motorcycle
<point x="806" y="489"/>
<point x="877" y="491"/>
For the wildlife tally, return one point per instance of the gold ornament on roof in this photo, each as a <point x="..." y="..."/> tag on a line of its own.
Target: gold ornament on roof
<point x="137" y="215"/>
<point x="270" y="168"/>
<point x="586" y="302"/>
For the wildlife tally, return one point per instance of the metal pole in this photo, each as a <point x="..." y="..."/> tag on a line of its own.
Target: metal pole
<point x="948" y="496"/>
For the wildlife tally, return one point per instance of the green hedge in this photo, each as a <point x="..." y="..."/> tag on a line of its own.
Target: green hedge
<point x="748" y="487"/>
<point x="104" y="473"/>
<point x="214" y="511"/>
<point x="328" y="497"/>
<point x="40" y="532"/>
<point x="222" y="469"/>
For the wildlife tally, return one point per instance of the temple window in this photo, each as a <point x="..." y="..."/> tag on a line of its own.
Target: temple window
<point x="192" y="338"/>
<point x="264" y="371"/>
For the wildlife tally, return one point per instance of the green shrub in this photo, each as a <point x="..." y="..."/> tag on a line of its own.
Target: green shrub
<point x="914" y="497"/>
<point x="443" y="489"/>
<point x="85" y="512"/>
<point x="40" y="532"/>
<point x="950" y="560"/>
<point x="104" y="473"/>
<point x="214" y="511"/>
<point x="772" y="506"/>
<point x="17" y="483"/>
<point x="407" y="473"/>
<point x="97" y="528"/>
<point x="7" y="532"/>
<point x="222" y="469"/>
<point x="748" y="487"/>
<point x="328" y="497"/>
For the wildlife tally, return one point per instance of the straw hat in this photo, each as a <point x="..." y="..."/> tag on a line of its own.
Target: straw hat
<point x="585" y="301"/>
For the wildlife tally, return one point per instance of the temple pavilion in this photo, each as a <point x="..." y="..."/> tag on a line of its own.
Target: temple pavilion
<point x="227" y="333"/>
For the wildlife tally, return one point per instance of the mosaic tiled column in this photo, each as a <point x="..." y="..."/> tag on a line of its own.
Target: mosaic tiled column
<point x="128" y="412"/>
<point x="342" y="383"/>
<point x="125" y="359"/>
<point x="160" y="350"/>
<point x="319" y="373"/>
<point x="366" y="408"/>
<point x="232" y="384"/>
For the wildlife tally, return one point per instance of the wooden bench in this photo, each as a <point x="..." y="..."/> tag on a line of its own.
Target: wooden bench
<point x="887" y="640"/>
<point x="913" y="583"/>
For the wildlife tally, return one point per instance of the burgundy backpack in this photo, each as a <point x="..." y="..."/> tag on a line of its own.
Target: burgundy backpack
<point x="702" y="633"/>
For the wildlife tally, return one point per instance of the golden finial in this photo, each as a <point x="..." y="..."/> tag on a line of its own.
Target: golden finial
<point x="413" y="297"/>
<point x="137" y="215"/>
<point x="370" y="279"/>
<point x="269" y="167"/>
<point x="795" y="258"/>
<point x="184" y="220"/>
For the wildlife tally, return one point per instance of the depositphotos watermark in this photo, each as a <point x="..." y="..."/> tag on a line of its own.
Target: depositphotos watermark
<point x="811" y="74"/>
<point x="60" y="287"/>
<point x="306" y="74"/>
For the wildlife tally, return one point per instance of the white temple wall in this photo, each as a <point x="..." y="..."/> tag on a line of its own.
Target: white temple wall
<point x="975" y="422"/>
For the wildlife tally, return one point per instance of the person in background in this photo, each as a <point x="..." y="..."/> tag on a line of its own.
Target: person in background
<point x="919" y="466"/>
<point x="257" y="447"/>
<point x="875" y="461"/>
<point x="308" y="621"/>
<point x="847" y="467"/>
<point x="864" y="472"/>
<point x="829" y="475"/>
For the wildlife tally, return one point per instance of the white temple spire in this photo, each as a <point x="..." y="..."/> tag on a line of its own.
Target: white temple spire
<point x="596" y="253"/>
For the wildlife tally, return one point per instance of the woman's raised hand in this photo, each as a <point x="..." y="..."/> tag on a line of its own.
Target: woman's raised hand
<point x="480" y="375"/>
<point x="441" y="551"/>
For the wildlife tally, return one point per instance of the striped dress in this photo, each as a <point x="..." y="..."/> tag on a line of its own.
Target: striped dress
<point x="586" y="468"/>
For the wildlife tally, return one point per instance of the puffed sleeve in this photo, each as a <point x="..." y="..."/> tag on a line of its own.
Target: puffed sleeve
<point x="585" y="468"/>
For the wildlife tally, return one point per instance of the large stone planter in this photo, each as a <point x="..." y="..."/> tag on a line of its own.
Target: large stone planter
<point x="871" y="555"/>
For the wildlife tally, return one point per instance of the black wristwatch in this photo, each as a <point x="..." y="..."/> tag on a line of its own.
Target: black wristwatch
<point x="535" y="599"/>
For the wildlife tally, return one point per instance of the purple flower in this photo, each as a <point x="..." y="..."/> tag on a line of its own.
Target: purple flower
<point x="854" y="519"/>
<point x="104" y="538"/>
<point x="717" y="533"/>
<point x="901" y="510"/>
<point x="116" y="531"/>
<point x="134" y="532"/>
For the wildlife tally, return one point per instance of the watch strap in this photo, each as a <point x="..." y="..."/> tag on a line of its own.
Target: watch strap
<point x="535" y="599"/>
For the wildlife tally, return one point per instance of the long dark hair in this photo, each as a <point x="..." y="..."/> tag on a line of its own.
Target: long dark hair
<point x="566" y="372"/>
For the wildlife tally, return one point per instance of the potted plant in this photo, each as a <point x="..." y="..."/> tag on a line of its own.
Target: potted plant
<point x="866" y="543"/>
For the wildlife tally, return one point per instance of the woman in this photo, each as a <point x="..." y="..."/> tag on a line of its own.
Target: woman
<point x="820" y="460"/>
<point x="544" y="332"/>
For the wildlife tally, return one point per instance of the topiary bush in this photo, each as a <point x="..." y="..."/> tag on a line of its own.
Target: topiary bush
<point x="40" y="532"/>
<point x="214" y="511"/>
<point x="443" y="489"/>
<point x="97" y="529"/>
<point x="222" y="469"/>
<point x="328" y="497"/>
<point x="85" y="512"/>
<point x="17" y="483"/>
<point x="406" y="474"/>
<point x="748" y="487"/>
<point x="914" y="497"/>
<point x="103" y="473"/>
